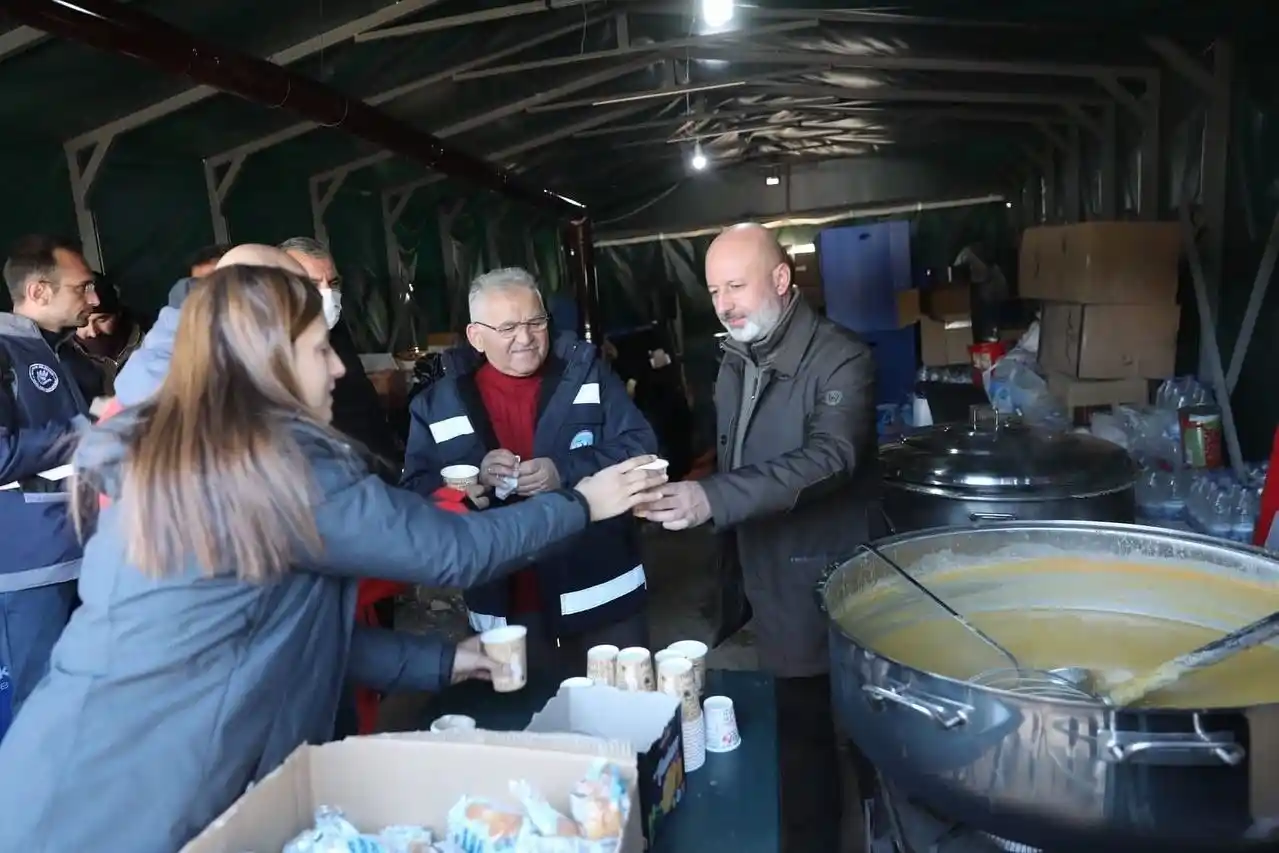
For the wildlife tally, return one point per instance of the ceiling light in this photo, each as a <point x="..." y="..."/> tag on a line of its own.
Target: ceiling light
<point x="717" y="13"/>
<point x="802" y="249"/>
<point x="698" y="161"/>
<point x="1008" y="204"/>
<point x="772" y="180"/>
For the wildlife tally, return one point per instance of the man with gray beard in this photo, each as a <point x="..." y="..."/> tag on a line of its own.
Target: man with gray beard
<point x="795" y="489"/>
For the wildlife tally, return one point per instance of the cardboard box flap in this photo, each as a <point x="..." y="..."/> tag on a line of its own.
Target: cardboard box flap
<point x="606" y="712"/>
<point x="577" y="744"/>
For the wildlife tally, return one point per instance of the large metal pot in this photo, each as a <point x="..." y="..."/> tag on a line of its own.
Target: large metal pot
<point x="1060" y="775"/>
<point x="957" y="475"/>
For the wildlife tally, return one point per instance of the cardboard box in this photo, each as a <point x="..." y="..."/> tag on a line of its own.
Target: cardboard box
<point x="648" y="722"/>
<point x="1109" y="341"/>
<point x="947" y="302"/>
<point x="909" y="308"/>
<point x="1111" y="263"/>
<point x="808" y="272"/>
<point x="408" y="779"/>
<point x="943" y="343"/>
<point x="1081" y="393"/>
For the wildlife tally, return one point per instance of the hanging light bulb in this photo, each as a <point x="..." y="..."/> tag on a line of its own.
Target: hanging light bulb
<point x="717" y="13"/>
<point x="698" y="161"/>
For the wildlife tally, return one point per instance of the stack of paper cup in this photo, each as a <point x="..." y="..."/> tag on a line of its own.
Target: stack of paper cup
<point x="453" y="723"/>
<point x="721" y="725"/>
<point x="694" y="743"/>
<point x="601" y="664"/>
<point x="695" y="651"/>
<point x="508" y="645"/>
<point x="635" y="670"/>
<point x="675" y="678"/>
<point x="577" y="681"/>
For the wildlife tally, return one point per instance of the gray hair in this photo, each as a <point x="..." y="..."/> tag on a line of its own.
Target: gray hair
<point x="508" y="278"/>
<point x="308" y="246"/>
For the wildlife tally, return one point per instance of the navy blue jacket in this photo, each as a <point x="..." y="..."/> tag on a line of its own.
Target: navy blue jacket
<point x="41" y="410"/>
<point x="585" y="422"/>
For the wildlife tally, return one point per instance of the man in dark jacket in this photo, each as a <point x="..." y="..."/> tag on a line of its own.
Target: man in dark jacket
<point x="41" y="410"/>
<point x="795" y="486"/>
<point x="357" y="410"/>
<point x="105" y="342"/>
<point x="535" y="417"/>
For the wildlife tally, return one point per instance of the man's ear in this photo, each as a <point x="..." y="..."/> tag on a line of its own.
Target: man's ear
<point x="781" y="278"/>
<point x="39" y="292"/>
<point x="474" y="338"/>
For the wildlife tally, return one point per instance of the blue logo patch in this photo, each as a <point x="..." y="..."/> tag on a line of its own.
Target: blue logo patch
<point x="585" y="438"/>
<point x="43" y="377"/>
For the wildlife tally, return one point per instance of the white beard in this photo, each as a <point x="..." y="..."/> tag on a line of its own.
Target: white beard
<point x="760" y="324"/>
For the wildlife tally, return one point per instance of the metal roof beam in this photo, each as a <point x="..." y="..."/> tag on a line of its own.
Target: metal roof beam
<point x="758" y="86"/>
<point x="712" y="39"/>
<point x="494" y="115"/>
<point x="270" y="140"/>
<point x="845" y="134"/>
<point x="392" y="12"/>
<point x="501" y="13"/>
<point x="763" y="111"/>
<point x="764" y="56"/>
<point x="19" y="39"/>
<point x="529" y="145"/>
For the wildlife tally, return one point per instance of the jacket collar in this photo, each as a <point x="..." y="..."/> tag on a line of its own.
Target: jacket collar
<point x="17" y="326"/>
<point x="784" y="347"/>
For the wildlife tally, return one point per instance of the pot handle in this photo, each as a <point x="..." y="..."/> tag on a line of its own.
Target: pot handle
<point x="979" y="517"/>
<point x="948" y="715"/>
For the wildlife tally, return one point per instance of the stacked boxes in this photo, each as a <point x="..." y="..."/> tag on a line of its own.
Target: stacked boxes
<point x="944" y="314"/>
<point x="1110" y="315"/>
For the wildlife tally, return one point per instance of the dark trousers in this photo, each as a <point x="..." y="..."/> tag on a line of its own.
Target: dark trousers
<point x="550" y="657"/>
<point x="31" y="621"/>
<point x="812" y="766"/>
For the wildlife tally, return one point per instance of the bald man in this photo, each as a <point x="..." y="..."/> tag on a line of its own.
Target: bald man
<point x="795" y="489"/>
<point x="145" y="370"/>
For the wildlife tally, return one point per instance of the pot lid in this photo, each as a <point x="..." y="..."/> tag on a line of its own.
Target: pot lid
<point x="1008" y="457"/>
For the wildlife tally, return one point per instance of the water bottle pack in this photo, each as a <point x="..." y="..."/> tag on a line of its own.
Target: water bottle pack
<point x="1211" y="502"/>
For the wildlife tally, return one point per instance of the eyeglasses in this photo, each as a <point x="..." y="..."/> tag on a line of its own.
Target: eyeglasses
<point x="83" y="289"/>
<point x="508" y="330"/>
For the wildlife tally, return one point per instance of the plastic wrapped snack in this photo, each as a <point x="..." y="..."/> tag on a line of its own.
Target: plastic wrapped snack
<point x="545" y="819"/>
<point x="481" y="826"/>
<point x="508" y="485"/>
<point x="406" y="839"/>
<point x="599" y="803"/>
<point x="332" y="833"/>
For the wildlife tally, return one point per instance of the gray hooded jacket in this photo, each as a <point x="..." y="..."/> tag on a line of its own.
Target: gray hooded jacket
<point x="145" y="370"/>
<point x="176" y="692"/>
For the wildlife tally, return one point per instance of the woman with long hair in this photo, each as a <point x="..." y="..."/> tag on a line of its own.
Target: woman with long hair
<point x="219" y="586"/>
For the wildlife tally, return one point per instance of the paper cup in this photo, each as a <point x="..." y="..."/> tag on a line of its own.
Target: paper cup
<point x="453" y="723"/>
<point x="460" y="476"/>
<point x="695" y="651"/>
<point x="694" y="734"/>
<point x="508" y="645"/>
<point x="601" y="664"/>
<point x="635" y="670"/>
<point x="577" y="681"/>
<point x="665" y="655"/>
<point x="675" y="678"/>
<point x="721" y="725"/>
<point x="655" y="465"/>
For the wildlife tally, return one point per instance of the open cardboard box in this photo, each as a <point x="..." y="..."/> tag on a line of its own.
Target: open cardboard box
<point x="648" y="722"/>
<point x="410" y="779"/>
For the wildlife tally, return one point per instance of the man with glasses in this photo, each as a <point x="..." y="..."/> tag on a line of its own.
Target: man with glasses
<point x="535" y="417"/>
<point x="41" y="409"/>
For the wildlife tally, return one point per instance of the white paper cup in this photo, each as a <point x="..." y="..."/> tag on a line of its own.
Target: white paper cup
<point x="721" y="725"/>
<point x="601" y="664"/>
<point x="665" y="655"/>
<point x="635" y="670"/>
<point x="453" y="723"/>
<point x="694" y="734"/>
<point x="675" y="678"/>
<point x="460" y="476"/>
<point x="655" y="465"/>
<point x="578" y="681"/>
<point x="695" y="651"/>
<point x="508" y="645"/>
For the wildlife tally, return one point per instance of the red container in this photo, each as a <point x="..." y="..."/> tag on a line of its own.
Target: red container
<point x="983" y="357"/>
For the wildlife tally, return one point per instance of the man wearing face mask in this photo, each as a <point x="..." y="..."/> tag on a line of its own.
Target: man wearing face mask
<point x="357" y="410"/>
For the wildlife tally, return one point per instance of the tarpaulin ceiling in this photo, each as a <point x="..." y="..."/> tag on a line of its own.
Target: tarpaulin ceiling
<point x="815" y="81"/>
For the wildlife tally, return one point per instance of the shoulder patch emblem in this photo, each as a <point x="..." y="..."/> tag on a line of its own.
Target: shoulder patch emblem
<point x="44" y="377"/>
<point x="833" y="398"/>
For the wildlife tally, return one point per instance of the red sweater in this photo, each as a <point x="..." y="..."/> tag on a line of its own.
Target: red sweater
<point x="511" y="403"/>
